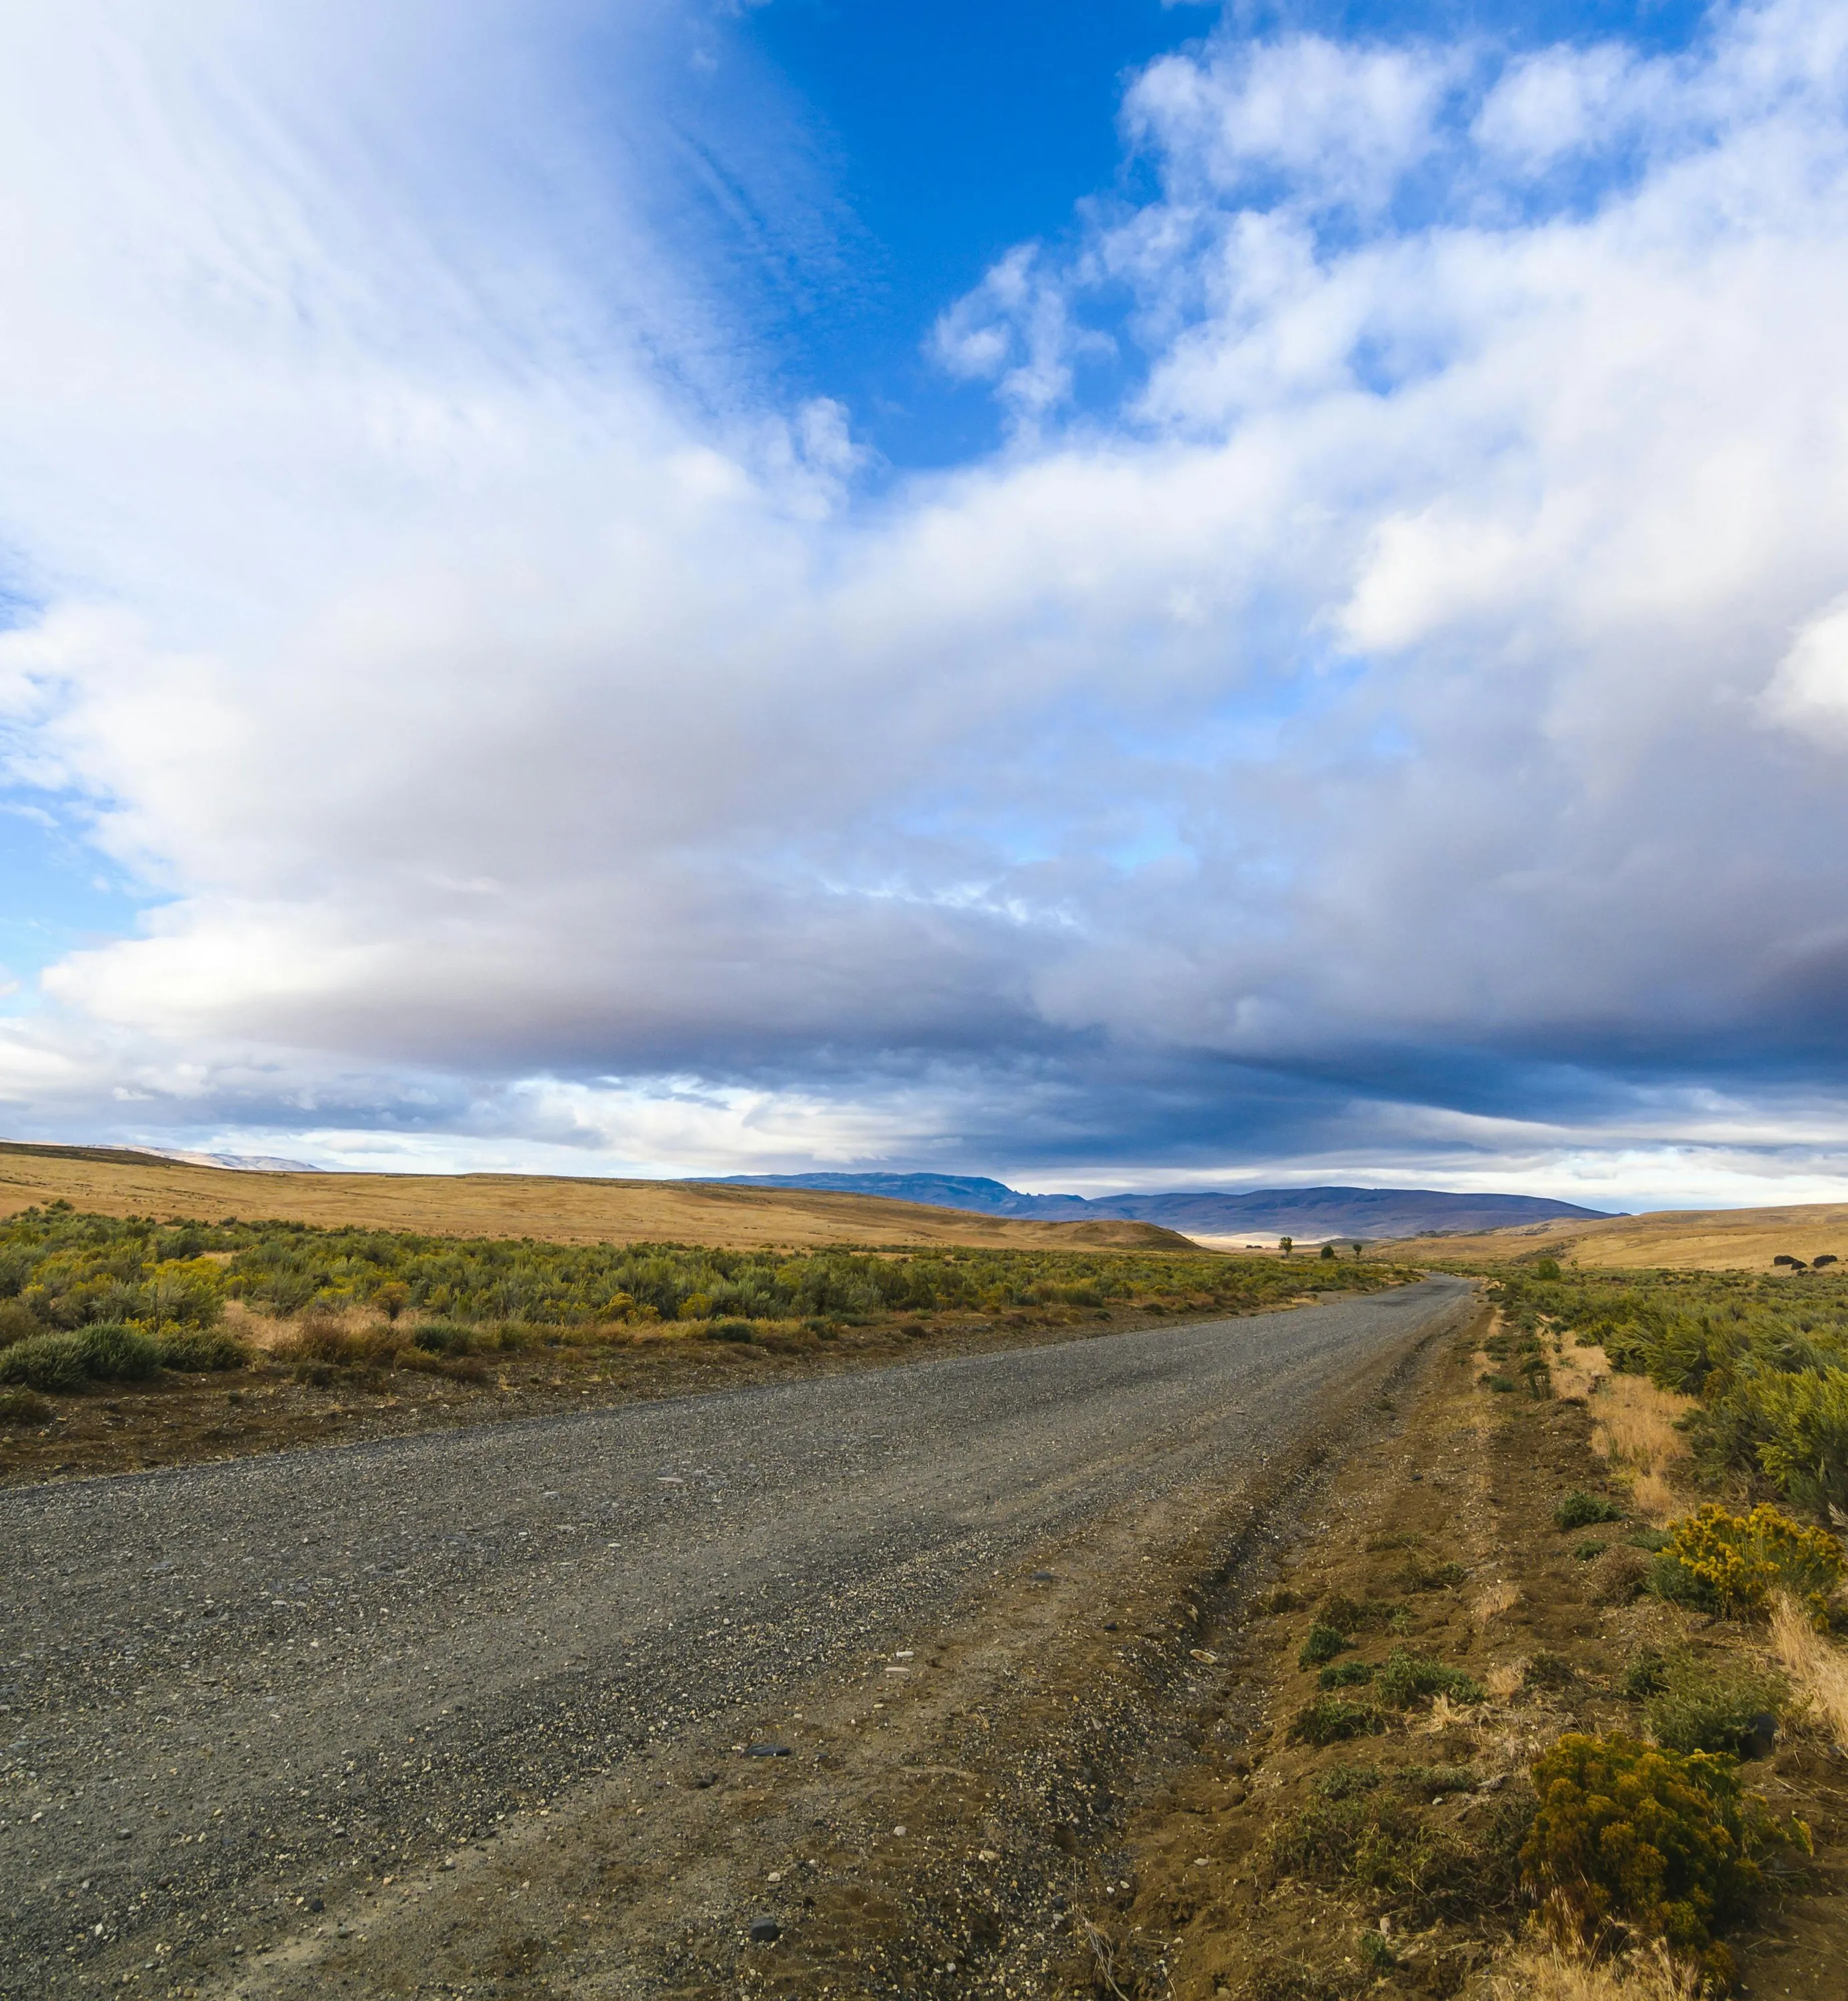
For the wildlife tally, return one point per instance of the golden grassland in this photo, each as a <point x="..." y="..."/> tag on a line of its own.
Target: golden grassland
<point x="1707" y="1239"/>
<point x="556" y="1208"/>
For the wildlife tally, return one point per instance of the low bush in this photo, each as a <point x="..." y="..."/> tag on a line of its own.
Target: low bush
<point x="53" y="1362"/>
<point x="1330" y="1720"/>
<point x="1618" y="1575"/>
<point x="1505" y="1385"/>
<point x="440" y="1337"/>
<point x="1631" y="1837"/>
<point x="22" y="1407"/>
<point x="1714" y="1703"/>
<point x="1549" y="1672"/>
<point x="66" y="1362"/>
<point x="1588" y="1552"/>
<point x="18" y="1322"/>
<point x="1341" y="1780"/>
<point x="729" y="1330"/>
<point x="200" y="1350"/>
<point x="1345" y="1674"/>
<point x="1322" y="1643"/>
<point x="1360" y="1615"/>
<point x="1419" y="1574"/>
<point x="1730" y="1563"/>
<point x="322" y="1346"/>
<point x="114" y="1353"/>
<point x="1647" y="1675"/>
<point x="1377" y="1838"/>
<point x="1579" y="1510"/>
<point x="1404" y="1678"/>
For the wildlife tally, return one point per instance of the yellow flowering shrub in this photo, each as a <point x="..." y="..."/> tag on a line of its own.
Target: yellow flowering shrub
<point x="1733" y="1563"/>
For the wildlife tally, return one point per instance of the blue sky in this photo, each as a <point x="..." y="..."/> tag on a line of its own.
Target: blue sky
<point x="1116" y="596"/>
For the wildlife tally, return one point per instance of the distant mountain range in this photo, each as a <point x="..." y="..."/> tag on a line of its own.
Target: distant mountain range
<point x="1308" y="1213"/>
<point x="249" y="1164"/>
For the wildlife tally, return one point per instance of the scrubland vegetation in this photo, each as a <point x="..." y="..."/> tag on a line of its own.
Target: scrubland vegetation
<point x="1719" y="1402"/>
<point x="1763" y="1361"/>
<point x="96" y="1298"/>
<point x="1590" y="1747"/>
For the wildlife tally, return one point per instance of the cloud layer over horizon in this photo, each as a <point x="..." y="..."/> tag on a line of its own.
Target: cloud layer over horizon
<point x="1380" y="715"/>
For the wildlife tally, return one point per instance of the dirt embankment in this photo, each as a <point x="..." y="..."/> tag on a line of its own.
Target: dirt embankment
<point x="557" y="1208"/>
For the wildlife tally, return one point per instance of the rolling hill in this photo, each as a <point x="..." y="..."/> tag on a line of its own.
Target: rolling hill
<point x="561" y="1208"/>
<point x="1709" y="1240"/>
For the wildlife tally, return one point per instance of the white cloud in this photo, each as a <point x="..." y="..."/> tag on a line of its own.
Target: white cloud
<point x="503" y="696"/>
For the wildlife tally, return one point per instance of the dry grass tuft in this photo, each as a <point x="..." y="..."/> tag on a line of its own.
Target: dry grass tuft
<point x="1505" y="1680"/>
<point x="1578" y="1372"/>
<point x="1494" y="1600"/>
<point x="1634" y="1428"/>
<point x="1547" y="1973"/>
<point x="1818" y="1670"/>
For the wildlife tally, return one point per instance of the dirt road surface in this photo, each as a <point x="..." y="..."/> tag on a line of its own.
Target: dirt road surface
<point x="566" y="1706"/>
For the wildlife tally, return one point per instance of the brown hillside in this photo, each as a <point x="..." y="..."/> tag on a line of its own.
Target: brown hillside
<point x="558" y="1208"/>
<point x="1706" y="1240"/>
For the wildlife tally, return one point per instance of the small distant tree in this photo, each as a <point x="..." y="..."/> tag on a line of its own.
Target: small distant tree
<point x="1327" y="1250"/>
<point x="1357" y="1247"/>
<point x="1286" y="1245"/>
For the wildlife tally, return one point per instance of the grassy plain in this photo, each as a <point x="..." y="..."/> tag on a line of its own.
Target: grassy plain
<point x="558" y="1209"/>
<point x="1706" y="1240"/>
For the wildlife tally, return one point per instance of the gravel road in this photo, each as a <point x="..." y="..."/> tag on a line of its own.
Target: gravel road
<point x="224" y="1688"/>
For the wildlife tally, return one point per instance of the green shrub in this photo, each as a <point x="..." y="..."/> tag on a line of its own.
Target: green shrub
<point x="1339" y="1781"/>
<point x="1356" y="1615"/>
<point x="1376" y="1838"/>
<point x="114" y="1353"/>
<point x="439" y="1337"/>
<point x="1345" y="1674"/>
<point x="22" y="1407"/>
<point x="1805" y="1414"/>
<point x="1588" y="1552"/>
<point x="1646" y="1675"/>
<point x="18" y="1322"/>
<point x="1403" y="1678"/>
<point x="1330" y="1720"/>
<point x="1323" y="1642"/>
<point x="1494" y="1380"/>
<point x="729" y="1330"/>
<point x="1730" y="1563"/>
<point x="1629" y="1836"/>
<point x="1579" y="1510"/>
<point x="49" y="1362"/>
<point x="67" y="1362"/>
<point x="1549" y="1672"/>
<point x="198" y="1351"/>
<point x="1712" y="1704"/>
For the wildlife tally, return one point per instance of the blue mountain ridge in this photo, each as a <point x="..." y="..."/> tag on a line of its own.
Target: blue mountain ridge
<point x="1311" y="1213"/>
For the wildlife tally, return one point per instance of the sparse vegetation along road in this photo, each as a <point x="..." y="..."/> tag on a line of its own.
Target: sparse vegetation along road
<point x="242" y="1699"/>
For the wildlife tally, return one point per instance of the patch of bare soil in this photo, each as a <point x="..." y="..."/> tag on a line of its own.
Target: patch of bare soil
<point x="1279" y="1869"/>
<point x="272" y="1405"/>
